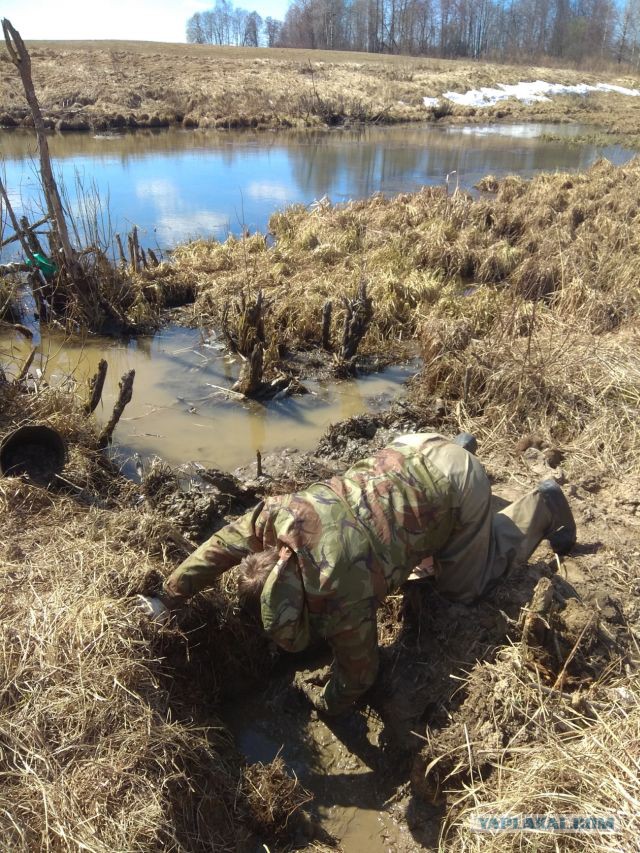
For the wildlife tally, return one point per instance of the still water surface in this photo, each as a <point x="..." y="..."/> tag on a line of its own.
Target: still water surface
<point x="179" y="184"/>
<point x="178" y="414"/>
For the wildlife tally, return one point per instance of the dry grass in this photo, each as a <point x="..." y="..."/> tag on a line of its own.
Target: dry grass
<point x="578" y="390"/>
<point x="571" y="762"/>
<point x="106" y="83"/>
<point x="99" y="749"/>
<point x="272" y="796"/>
<point x="560" y="246"/>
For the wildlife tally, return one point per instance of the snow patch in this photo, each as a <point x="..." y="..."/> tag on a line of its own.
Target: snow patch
<point x="528" y="93"/>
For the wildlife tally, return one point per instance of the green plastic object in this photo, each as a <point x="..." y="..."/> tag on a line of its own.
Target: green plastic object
<point x="48" y="268"/>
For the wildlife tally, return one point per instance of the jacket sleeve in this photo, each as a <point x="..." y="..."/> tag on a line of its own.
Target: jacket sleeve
<point x="355" y="663"/>
<point x="222" y="551"/>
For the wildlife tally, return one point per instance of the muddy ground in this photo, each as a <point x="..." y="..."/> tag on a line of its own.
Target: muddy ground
<point x="385" y="777"/>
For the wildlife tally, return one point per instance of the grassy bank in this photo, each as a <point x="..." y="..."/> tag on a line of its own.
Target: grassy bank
<point x="559" y="247"/>
<point x="525" y="305"/>
<point x="101" y="85"/>
<point x="103" y="745"/>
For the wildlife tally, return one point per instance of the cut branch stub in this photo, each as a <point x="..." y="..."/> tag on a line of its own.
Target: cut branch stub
<point x="243" y="327"/>
<point x="96" y="384"/>
<point x="124" y="397"/>
<point x="326" y="324"/>
<point x="250" y="379"/>
<point x="357" y="318"/>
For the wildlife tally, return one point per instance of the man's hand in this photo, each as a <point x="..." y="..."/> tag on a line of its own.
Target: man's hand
<point x="153" y="608"/>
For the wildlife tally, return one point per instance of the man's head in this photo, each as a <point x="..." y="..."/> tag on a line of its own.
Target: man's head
<point x="254" y="571"/>
<point x="271" y="588"/>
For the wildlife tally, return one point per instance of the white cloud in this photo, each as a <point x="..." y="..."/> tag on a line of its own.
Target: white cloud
<point x="161" y="190"/>
<point x="268" y="190"/>
<point x="176" y="220"/>
<point x="175" y="228"/>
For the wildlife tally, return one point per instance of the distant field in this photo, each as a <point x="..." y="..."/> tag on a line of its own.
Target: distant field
<point x="97" y="85"/>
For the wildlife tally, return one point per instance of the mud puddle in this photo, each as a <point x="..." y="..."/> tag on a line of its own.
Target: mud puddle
<point x="180" y="410"/>
<point x="341" y="763"/>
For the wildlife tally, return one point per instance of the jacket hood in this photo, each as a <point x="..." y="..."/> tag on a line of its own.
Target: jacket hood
<point x="283" y="607"/>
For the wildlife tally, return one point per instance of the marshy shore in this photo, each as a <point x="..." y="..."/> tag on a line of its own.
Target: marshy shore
<point x="100" y="86"/>
<point x="524" y="303"/>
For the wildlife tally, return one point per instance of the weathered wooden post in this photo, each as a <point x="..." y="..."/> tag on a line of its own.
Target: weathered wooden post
<point x="96" y="386"/>
<point x="358" y="316"/>
<point x="21" y="59"/>
<point x="251" y="375"/>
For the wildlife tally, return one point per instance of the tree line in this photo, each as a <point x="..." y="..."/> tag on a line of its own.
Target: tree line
<point x="573" y="31"/>
<point x="229" y="24"/>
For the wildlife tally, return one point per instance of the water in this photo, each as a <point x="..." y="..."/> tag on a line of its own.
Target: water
<point x="339" y="761"/>
<point x="179" y="184"/>
<point x="177" y="414"/>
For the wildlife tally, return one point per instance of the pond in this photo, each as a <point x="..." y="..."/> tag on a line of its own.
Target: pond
<point x="178" y="411"/>
<point x="178" y="184"/>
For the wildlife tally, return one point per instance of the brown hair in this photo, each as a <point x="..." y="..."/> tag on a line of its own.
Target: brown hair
<point x="254" y="571"/>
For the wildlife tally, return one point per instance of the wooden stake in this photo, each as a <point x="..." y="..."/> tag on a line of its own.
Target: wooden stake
<point x="123" y="257"/>
<point x="132" y="253"/>
<point x="358" y="316"/>
<point x="20" y="57"/>
<point x="326" y="325"/>
<point x="25" y="367"/>
<point x="96" y="384"/>
<point x="124" y="397"/>
<point x="251" y="375"/>
<point x="30" y="236"/>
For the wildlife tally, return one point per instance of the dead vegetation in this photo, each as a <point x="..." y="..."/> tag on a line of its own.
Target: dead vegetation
<point x="525" y="303"/>
<point x="99" y="749"/>
<point x="120" y="85"/>
<point x="526" y="750"/>
<point x="530" y="256"/>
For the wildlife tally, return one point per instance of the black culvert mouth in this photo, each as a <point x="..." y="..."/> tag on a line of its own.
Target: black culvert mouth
<point x="36" y="451"/>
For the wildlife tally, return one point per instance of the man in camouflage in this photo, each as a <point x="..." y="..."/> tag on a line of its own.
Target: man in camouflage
<point x="347" y="543"/>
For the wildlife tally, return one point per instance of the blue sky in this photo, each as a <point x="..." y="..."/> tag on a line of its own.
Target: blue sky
<point x="140" y="20"/>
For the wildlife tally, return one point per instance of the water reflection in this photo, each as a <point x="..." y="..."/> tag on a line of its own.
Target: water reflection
<point x="179" y="414"/>
<point x="179" y="184"/>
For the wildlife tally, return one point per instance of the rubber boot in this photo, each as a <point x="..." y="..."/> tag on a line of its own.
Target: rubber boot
<point x="467" y="441"/>
<point x="562" y="530"/>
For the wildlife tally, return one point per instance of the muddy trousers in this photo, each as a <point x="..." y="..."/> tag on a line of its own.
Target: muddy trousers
<point x="484" y="545"/>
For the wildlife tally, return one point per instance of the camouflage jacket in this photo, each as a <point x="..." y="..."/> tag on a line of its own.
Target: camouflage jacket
<point x="356" y="538"/>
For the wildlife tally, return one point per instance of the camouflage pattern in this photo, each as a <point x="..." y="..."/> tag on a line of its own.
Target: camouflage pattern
<point x="355" y="539"/>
